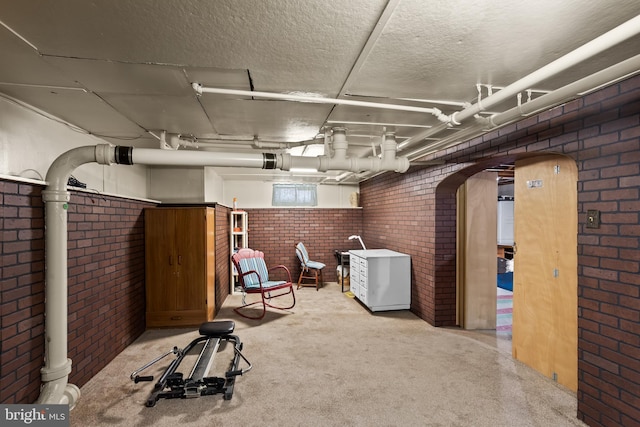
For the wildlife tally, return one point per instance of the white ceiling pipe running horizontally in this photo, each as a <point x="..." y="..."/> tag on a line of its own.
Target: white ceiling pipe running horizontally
<point x="283" y="161"/>
<point x="600" y="44"/>
<point x="338" y="161"/>
<point x="319" y="100"/>
<point x="609" y="75"/>
<point x="596" y="46"/>
<point x="566" y="93"/>
<point x="173" y="141"/>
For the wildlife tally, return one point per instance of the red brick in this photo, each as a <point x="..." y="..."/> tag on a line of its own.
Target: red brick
<point x="618" y="171"/>
<point x="619" y="265"/>
<point x="624" y="194"/>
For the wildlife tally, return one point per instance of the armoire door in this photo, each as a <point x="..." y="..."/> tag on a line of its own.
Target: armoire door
<point x="161" y="260"/>
<point x="191" y="251"/>
<point x="545" y="294"/>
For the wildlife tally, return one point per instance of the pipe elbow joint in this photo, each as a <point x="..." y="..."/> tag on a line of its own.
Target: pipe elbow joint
<point x="104" y="154"/>
<point x="453" y="121"/>
<point x="403" y="164"/>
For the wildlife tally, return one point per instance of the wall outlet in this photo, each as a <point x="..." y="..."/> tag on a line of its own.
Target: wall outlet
<point x="593" y="219"/>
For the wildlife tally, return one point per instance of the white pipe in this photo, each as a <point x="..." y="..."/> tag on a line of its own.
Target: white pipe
<point x="325" y="163"/>
<point x="255" y="143"/>
<point x="174" y="141"/>
<point x="477" y="128"/>
<point x="423" y="135"/>
<point x="339" y="143"/>
<point x="389" y="147"/>
<point x="327" y="146"/>
<point x="339" y="161"/>
<point x="592" y="82"/>
<point x="150" y="156"/>
<point x="599" y="44"/>
<point x="317" y="100"/>
<point x="594" y="47"/>
<point x="214" y="145"/>
<point x="56" y="369"/>
<point x="278" y="145"/>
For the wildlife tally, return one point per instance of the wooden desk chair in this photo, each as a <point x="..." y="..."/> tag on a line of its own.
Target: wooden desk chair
<point x="310" y="270"/>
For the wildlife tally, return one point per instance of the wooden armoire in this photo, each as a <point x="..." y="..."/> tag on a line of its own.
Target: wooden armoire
<point x="179" y="266"/>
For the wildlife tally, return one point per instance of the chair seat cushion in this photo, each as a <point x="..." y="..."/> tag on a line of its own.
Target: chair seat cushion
<point x="315" y="264"/>
<point x="266" y="285"/>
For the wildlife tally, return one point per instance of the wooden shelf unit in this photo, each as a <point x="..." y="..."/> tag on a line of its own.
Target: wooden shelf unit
<point x="239" y="234"/>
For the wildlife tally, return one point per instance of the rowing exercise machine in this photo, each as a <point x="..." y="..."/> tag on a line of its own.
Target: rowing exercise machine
<point x="172" y="384"/>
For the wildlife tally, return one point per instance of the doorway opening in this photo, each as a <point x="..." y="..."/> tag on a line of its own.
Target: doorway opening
<point x="505" y="247"/>
<point x="542" y="304"/>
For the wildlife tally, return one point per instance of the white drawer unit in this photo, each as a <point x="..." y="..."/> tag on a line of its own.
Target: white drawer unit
<point x="381" y="279"/>
<point x="354" y="273"/>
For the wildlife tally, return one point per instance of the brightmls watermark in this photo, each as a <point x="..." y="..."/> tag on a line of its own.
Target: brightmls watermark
<point x="34" y="415"/>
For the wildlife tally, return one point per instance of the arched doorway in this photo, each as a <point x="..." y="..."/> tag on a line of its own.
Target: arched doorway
<point x="545" y="263"/>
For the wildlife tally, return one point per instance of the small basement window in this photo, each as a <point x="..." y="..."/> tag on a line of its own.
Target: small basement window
<point x="294" y="195"/>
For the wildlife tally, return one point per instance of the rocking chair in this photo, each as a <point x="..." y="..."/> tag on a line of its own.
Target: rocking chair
<point x="253" y="276"/>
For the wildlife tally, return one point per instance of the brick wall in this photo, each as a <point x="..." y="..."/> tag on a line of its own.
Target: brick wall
<point x="21" y="292"/>
<point x="602" y="133"/>
<point x="277" y="231"/>
<point x="609" y="257"/>
<point x="106" y="285"/>
<point x="106" y="280"/>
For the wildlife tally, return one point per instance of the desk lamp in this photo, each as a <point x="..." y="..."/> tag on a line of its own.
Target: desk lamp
<point x="358" y="237"/>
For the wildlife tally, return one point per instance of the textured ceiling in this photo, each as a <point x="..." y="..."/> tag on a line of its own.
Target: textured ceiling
<point x="123" y="69"/>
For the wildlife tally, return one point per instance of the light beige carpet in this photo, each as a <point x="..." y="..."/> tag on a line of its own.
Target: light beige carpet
<point x="331" y="362"/>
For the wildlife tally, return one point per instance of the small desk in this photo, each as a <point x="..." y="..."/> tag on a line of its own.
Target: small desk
<point x="343" y="260"/>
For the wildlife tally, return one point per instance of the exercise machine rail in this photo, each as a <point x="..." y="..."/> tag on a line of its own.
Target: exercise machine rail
<point x="172" y="384"/>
